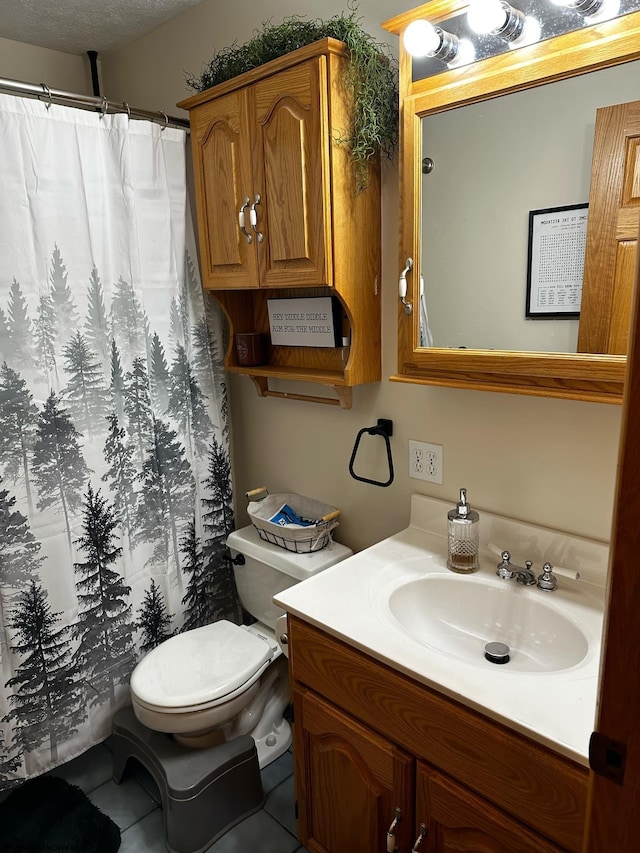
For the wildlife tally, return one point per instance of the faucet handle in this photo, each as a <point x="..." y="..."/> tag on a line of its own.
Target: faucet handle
<point x="504" y="569"/>
<point x="547" y="580"/>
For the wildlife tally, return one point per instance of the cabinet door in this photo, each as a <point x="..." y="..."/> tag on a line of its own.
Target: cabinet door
<point x="457" y="821"/>
<point x="291" y="165"/>
<point x="349" y="781"/>
<point x="222" y="168"/>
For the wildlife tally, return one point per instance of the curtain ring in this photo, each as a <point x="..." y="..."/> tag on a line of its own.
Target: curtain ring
<point x="166" y="120"/>
<point x="128" y="109"/>
<point x="104" y="107"/>
<point x="48" y="93"/>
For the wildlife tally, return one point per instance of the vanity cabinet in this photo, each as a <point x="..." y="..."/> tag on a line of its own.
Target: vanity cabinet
<point x="368" y="740"/>
<point x="279" y="216"/>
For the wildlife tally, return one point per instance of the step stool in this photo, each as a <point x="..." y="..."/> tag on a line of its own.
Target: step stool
<point x="204" y="791"/>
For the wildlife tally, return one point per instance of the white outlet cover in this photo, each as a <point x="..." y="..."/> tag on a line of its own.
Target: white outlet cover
<point x="425" y="461"/>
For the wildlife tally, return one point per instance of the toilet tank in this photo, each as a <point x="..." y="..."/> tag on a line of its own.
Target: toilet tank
<point x="268" y="569"/>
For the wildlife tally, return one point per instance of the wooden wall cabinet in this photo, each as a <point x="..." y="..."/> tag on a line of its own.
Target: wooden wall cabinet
<point x="368" y="740"/>
<point x="279" y="215"/>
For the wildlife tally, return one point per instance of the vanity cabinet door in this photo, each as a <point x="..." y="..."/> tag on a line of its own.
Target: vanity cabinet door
<point x="458" y="821"/>
<point x="349" y="781"/>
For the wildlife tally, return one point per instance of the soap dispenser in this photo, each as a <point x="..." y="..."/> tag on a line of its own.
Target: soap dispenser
<point x="463" y="537"/>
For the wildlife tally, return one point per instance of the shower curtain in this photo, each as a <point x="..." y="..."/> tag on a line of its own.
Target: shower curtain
<point x="115" y="495"/>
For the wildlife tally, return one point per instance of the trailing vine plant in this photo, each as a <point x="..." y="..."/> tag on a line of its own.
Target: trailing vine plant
<point x="371" y="76"/>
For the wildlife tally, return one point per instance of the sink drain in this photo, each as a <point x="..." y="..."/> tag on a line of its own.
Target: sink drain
<point x="497" y="652"/>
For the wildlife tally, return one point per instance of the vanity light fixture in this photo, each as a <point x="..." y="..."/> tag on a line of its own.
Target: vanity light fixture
<point x="499" y="18"/>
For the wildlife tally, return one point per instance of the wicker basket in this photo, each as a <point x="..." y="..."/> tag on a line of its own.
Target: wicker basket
<point x="263" y="506"/>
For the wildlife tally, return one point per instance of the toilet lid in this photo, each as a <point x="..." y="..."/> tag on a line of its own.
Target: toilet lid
<point x="199" y="666"/>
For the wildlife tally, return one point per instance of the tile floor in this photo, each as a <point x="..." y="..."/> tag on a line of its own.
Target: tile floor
<point x="135" y="806"/>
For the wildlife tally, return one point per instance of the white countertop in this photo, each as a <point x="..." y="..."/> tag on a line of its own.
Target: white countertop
<point x="554" y="708"/>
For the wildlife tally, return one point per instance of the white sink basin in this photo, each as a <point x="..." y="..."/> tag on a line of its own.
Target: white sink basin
<point x="458" y="615"/>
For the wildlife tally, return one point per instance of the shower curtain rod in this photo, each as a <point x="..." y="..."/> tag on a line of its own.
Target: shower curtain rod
<point x="48" y="95"/>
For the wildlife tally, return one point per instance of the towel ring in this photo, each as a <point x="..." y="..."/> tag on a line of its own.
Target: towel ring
<point x="384" y="427"/>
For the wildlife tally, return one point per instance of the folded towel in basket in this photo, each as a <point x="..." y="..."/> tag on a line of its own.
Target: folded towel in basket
<point x="287" y="517"/>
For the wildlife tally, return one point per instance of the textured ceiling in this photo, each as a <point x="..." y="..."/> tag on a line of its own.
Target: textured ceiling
<point x="75" y="26"/>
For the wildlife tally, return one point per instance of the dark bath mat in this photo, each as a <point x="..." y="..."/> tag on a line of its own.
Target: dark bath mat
<point x="48" y="815"/>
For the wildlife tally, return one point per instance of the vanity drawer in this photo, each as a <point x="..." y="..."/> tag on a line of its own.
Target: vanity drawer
<point x="542" y="789"/>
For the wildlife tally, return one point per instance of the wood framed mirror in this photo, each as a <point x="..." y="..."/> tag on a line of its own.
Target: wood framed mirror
<point x="595" y="369"/>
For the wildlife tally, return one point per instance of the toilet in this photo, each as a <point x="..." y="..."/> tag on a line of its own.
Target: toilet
<point x="215" y="683"/>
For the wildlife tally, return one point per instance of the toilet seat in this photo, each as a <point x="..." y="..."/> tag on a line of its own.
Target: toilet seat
<point x="200" y="668"/>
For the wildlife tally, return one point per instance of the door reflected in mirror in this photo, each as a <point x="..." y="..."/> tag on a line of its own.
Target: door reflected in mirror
<point x="493" y="162"/>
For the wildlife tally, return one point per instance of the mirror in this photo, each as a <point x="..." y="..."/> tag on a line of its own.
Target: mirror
<point x="475" y="206"/>
<point x="519" y="362"/>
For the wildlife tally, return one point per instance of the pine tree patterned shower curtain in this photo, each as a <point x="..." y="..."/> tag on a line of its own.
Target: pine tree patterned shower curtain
<point x="115" y="495"/>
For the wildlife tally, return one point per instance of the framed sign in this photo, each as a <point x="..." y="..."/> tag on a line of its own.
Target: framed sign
<point x="309" y="321"/>
<point x="557" y="240"/>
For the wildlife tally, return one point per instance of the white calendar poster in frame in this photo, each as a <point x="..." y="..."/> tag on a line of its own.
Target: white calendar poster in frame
<point x="557" y="240"/>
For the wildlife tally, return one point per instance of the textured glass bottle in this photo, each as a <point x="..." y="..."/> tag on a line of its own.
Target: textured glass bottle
<point x="463" y="537"/>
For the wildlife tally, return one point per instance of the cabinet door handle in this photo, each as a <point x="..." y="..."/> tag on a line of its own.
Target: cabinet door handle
<point x="253" y="217"/>
<point x="241" y="220"/>
<point x="402" y="286"/>
<point x="391" y="832"/>
<point x="417" y="844"/>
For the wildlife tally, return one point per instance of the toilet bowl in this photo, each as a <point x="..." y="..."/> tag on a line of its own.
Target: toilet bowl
<point x="220" y="681"/>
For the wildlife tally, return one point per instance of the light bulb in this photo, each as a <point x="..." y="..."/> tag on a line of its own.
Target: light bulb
<point x="485" y="16"/>
<point x="530" y="33"/>
<point x="421" y="38"/>
<point x="466" y="54"/>
<point x="584" y="6"/>
<point x="592" y="10"/>
<point x="609" y="9"/>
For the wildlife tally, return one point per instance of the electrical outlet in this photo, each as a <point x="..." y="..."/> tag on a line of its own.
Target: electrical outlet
<point x="425" y="461"/>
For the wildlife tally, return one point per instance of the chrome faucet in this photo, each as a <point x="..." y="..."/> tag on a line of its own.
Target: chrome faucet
<point x="547" y="581"/>
<point x="507" y="570"/>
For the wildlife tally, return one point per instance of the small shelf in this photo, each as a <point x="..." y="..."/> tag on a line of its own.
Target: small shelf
<point x="321" y="366"/>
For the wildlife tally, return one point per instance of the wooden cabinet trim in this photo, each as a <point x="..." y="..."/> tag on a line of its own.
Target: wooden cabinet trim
<point x="540" y="788"/>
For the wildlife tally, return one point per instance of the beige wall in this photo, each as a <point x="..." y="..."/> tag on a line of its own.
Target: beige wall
<point x="551" y="462"/>
<point x="31" y="64"/>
